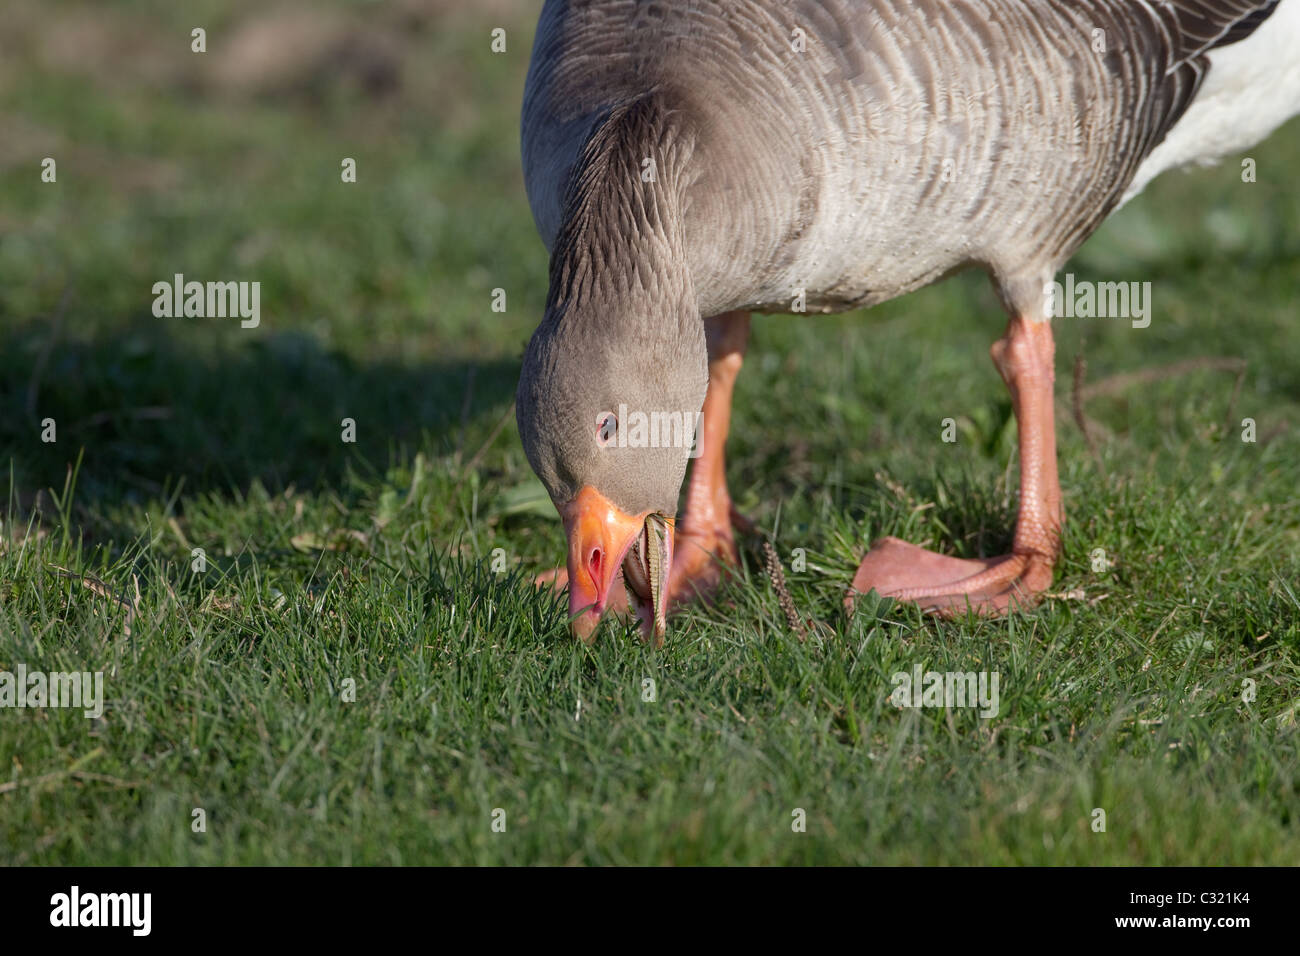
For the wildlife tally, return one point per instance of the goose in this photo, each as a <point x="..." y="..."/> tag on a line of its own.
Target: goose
<point x="691" y="162"/>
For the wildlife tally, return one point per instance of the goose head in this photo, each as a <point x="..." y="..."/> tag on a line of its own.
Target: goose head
<point x="613" y="380"/>
<point x="609" y="398"/>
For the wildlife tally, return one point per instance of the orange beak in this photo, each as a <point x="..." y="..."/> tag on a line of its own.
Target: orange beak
<point x="601" y="536"/>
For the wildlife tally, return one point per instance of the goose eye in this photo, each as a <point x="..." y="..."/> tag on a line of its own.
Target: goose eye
<point x="606" y="429"/>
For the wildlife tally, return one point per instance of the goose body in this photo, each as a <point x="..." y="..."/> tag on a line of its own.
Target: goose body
<point x="690" y="161"/>
<point x="901" y="141"/>
<point x="1252" y="87"/>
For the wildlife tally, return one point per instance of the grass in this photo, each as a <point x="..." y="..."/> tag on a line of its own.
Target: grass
<point x="359" y="672"/>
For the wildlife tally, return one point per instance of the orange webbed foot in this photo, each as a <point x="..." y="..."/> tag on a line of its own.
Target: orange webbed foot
<point x="948" y="586"/>
<point x="702" y="559"/>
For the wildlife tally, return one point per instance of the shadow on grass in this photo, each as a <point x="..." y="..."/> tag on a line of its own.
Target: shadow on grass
<point x="147" y="410"/>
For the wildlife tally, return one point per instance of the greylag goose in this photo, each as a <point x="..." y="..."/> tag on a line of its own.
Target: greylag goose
<point x="689" y="162"/>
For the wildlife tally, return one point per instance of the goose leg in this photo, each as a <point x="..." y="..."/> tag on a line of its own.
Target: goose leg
<point x="1024" y="357"/>
<point x="704" y="543"/>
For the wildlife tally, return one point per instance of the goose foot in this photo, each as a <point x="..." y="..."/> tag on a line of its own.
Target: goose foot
<point x="950" y="587"/>
<point x="992" y="586"/>
<point x="703" y="556"/>
<point x="705" y="547"/>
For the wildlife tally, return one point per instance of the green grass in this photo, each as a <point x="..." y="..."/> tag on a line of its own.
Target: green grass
<point x="372" y="562"/>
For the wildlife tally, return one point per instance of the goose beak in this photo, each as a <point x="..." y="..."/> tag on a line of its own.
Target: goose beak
<point x="602" y="539"/>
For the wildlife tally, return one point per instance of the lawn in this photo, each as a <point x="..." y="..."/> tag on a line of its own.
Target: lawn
<point x="331" y="648"/>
